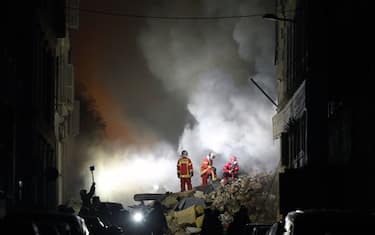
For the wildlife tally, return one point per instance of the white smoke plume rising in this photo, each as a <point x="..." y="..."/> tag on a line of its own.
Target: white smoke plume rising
<point x="206" y="66"/>
<point x="209" y="64"/>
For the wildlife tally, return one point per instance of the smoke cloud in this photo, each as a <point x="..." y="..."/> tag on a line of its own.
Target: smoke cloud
<point x="191" y="92"/>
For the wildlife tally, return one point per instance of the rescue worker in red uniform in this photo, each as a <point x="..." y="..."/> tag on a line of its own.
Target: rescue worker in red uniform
<point x="207" y="169"/>
<point x="185" y="171"/>
<point x="231" y="169"/>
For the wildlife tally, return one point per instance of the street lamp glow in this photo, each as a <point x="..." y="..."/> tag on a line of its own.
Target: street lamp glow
<point x="155" y="187"/>
<point x="138" y="217"/>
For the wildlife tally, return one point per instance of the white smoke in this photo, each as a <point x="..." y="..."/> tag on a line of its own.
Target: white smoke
<point x="127" y="171"/>
<point x="206" y="64"/>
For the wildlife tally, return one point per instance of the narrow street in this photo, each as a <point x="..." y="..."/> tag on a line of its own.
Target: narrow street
<point x="186" y="117"/>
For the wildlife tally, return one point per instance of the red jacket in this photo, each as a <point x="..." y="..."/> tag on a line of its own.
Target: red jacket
<point x="185" y="167"/>
<point x="206" y="166"/>
<point x="231" y="168"/>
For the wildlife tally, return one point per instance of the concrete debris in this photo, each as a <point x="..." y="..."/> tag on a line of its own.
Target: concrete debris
<point x="192" y="230"/>
<point x="190" y="201"/>
<point x="257" y="192"/>
<point x="186" y="216"/>
<point x="199" y="221"/>
<point x="170" y="202"/>
<point x="199" y="194"/>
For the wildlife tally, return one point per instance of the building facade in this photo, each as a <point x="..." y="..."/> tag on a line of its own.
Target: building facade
<point x="36" y="109"/>
<point x="323" y="58"/>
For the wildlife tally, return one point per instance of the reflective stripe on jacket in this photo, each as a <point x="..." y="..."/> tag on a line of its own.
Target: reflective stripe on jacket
<point x="184" y="167"/>
<point x="206" y="166"/>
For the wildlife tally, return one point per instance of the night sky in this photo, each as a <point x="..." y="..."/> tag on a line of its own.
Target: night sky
<point x="164" y="85"/>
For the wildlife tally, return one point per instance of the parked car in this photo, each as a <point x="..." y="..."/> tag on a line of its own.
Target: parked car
<point x="43" y="222"/>
<point x="117" y="213"/>
<point x="326" y="222"/>
<point x="96" y="227"/>
<point x="276" y="229"/>
<point x="105" y="218"/>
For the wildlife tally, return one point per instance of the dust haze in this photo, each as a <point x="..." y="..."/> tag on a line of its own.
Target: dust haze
<point x="184" y="85"/>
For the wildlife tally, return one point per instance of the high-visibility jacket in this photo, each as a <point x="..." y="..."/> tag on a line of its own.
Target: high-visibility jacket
<point x="184" y="167"/>
<point x="206" y="167"/>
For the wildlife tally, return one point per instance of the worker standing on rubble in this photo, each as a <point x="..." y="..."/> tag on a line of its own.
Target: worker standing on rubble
<point x="207" y="169"/>
<point x="185" y="171"/>
<point x="231" y="169"/>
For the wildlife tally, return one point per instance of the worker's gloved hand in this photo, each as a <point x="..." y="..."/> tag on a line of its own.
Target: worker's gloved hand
<point x="178" y="175"/>
<point x="191" y="174"/>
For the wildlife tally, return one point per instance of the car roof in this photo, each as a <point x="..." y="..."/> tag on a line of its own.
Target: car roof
<point x="330" y="220"/>
<point x="318" y="213"/>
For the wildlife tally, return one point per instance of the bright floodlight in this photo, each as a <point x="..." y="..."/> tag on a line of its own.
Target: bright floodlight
<point x="137" y="217"/>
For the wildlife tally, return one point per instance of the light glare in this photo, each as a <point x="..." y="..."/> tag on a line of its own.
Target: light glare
<point x="138" y="217"/>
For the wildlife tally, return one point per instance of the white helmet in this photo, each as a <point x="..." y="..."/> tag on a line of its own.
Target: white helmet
<point x="211" y="155"/>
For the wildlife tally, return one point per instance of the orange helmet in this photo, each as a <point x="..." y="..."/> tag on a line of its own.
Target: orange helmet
<point x="233" y="158"/>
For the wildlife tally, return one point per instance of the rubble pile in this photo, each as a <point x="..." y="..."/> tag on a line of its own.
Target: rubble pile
<point x="256" y="192"/>
<point x="253" y="192"/>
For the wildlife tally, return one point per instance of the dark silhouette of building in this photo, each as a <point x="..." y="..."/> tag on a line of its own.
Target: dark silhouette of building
<point x="324" y="62"/>
<point x="36" y="103"/>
